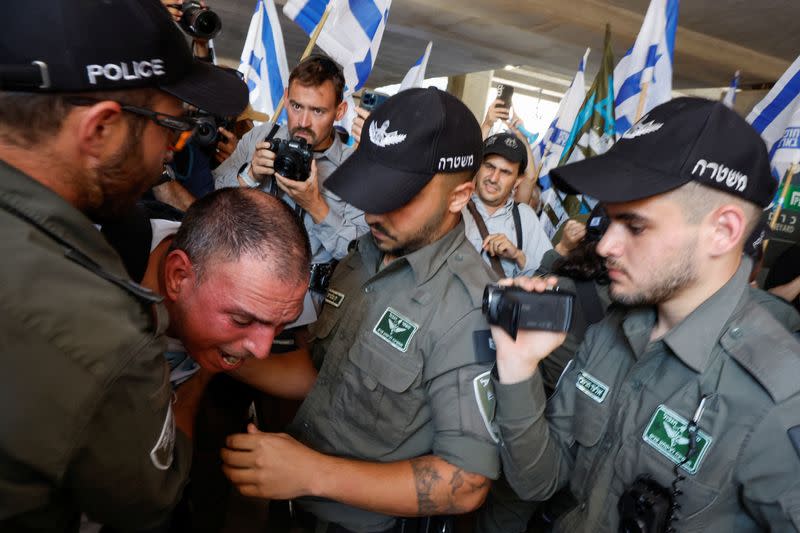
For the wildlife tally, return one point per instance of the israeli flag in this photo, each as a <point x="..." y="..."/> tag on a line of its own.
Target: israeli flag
<point x="777" y="119"/>
<point x="729" y="99"/>
<point x="551" y="146"/>
<point x="351" y="36"/>
<point x="416" y="74"/>
<point x="263" y="61"/>
<point x="648" y="63"/>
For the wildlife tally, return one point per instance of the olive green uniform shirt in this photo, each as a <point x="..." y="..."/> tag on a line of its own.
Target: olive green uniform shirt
<point x="405" y="355"/>
<point x="85" y="402"/>
<point x="621" y="408"/>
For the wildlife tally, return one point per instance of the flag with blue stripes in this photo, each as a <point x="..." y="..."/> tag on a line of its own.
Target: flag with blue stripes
<point x="351" y="36"/>
<point x="647" y="64"/>
<point x="551" y="146"/>
<point x="263" y="61"/>
<point x="777" y="119"/>
<point x="416" y="74"/>
<point x="729" y="98"/>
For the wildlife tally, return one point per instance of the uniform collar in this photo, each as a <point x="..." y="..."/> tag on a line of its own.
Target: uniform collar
<point x="693" y="339"/>
<point x="505" y="209"/>
<point x="35" y="201"/>
<point x="424" y="262"/>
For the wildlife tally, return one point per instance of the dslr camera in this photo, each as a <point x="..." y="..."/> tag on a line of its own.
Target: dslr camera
<point x="198" y="21"/>
<point x="207" y="133"/>
<point x="515" y="309"/>
<point x="292" y="158"/>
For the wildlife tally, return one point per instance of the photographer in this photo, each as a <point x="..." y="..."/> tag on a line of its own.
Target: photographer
<point x="688" y="359"/>
<point x="313" y="103"/>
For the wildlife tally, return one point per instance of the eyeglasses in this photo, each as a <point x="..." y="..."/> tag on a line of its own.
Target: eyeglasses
<point x="185" y="126"/>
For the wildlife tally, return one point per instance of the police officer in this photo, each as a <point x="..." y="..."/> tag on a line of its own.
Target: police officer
<point x="89" y="108"/>
<point x="398" y="421"/>
<point x="681" y="410"/>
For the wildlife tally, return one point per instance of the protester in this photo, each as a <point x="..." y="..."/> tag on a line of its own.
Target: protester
<point x="673" y="395"/>
<point x="395" y="424"/>
<point x="508" y="234"/>
<point x="87" y="120"/>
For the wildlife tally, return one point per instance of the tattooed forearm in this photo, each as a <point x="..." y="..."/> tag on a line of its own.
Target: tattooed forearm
<point x="437" y="496"/>
<point x="426" y="477"/>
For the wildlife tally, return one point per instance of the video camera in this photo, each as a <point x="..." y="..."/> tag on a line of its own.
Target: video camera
<point x="199" y="21"/>
<point x="515" y="309"/>
<point x="292" y="158"/>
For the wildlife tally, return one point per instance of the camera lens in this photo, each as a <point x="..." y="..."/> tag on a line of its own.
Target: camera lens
<point x="206" y="133"/>
<point x="200" y="22"/>
<point x="207" y="23"/>
<point x="286" y="166"/>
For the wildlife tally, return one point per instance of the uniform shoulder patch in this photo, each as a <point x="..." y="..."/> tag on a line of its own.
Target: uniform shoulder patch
<point x="162" y="453"/>
<point x="487" y="402"/>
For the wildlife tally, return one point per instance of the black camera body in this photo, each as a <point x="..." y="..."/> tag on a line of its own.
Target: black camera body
<point x="515" y="309"/>
<point x="292" y="158"/>
<point x="199" y="21"/>
<point x="207" y="133"/>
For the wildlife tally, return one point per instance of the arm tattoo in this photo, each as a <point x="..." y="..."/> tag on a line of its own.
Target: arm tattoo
<point x="427" y="478"/>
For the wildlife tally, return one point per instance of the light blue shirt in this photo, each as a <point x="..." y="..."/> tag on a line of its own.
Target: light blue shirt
<point x="534" y="240"/>
<point x="343" y="224"/>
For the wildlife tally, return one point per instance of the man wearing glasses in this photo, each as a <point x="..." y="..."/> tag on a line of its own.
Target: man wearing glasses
<point x="91" y="104"/>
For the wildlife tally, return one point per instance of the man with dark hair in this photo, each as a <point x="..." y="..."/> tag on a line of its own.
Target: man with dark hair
<point x="90" y="109"/>
<point x="313" y="101"/>
<point x="681" y="409"/>
<point x="398" y="422"/>
<point x="233" y="276"/>
<point x="506" y="233"/>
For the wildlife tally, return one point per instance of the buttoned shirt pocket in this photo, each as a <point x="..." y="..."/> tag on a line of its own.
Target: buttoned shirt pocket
<point x="381" y="391"/>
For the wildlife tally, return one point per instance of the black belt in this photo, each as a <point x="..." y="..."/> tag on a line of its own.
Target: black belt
<point x="321" y="276"/>
<point x="306" y="521"/>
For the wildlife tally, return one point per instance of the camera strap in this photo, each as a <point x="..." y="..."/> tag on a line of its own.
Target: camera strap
<point x="493" y="259"/>
<point x="517" y="223"/>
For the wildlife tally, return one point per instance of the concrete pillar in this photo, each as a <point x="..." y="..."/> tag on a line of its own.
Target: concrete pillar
<point x="472" y="90"/>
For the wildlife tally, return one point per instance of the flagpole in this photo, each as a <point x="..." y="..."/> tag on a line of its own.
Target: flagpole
<point x="307" y="52"/>
<point x="642" y="101"/>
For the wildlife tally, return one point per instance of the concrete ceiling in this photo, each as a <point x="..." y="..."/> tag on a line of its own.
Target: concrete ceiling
<point x="715" y="37"/>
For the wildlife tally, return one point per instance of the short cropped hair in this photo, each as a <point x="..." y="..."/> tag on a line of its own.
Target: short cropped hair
<point x="28" y="118"/>
<point x="317" y="69"/>
<point x="231" y="223"/>
<point x="697" y="200"/>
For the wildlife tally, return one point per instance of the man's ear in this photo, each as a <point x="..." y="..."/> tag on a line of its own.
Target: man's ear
<point x="178" y="274"/>
<point x="460" y="195"/>
<point x="98" y="126"/>
<point x="726" y="225"/>
<point x="341" y="109"/>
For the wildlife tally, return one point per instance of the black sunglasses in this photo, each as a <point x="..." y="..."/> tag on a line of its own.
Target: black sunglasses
<point x="185" y="125"/>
